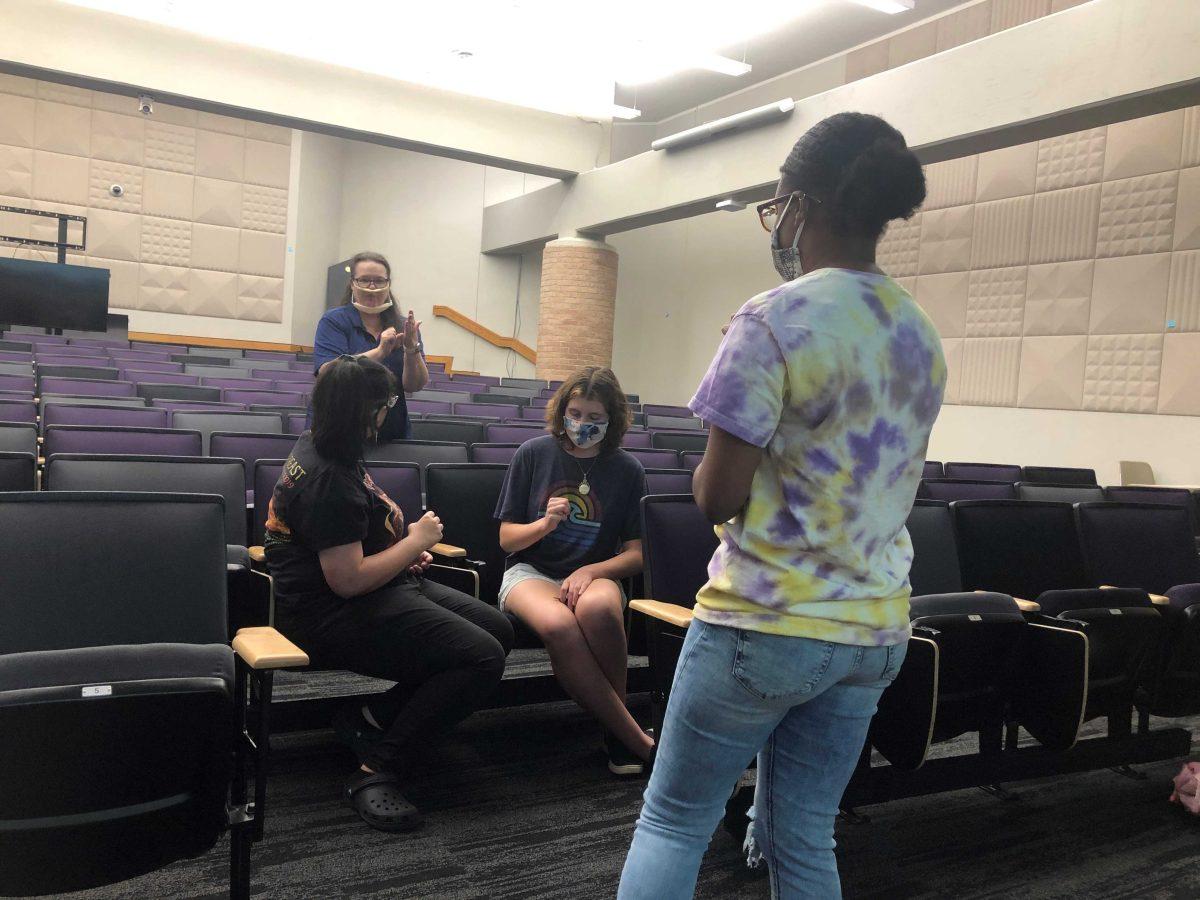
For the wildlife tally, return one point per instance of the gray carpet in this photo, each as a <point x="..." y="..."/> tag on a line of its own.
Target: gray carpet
<point x="519" y="805"/>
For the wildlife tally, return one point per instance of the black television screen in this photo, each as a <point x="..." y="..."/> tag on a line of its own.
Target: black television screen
<point x="53" y="295"/>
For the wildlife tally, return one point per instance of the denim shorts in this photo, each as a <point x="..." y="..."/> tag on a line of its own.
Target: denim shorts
<point x="519" y="572"/>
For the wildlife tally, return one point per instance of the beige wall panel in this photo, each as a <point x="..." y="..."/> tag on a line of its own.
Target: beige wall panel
<point x="18" y="120"/>
<point x="264" y="208"/>
<point x="1179" y="392"/>
<point x="952" y="349"/>
<point x="1002" y="233"/>
<point x="1010" y="172"/>
<point x="990" y="369"/>
<point x="944" y="299"/>
<point x="62" y="128"/>
<point x="170" y="147"/>
<point x="964" y="26"/>
<point x="1071" y="159"/>
<point x="213" y="293"/>
<point x="261" y="254"/>
<point x="899" y="251"/>
<point x="913" y="44"/>
<point x="1011" y="13"/>
<point x="1137" y="215"/>
<point x="1052" y="372"/>
<point x="260" y="299"/>
<point x="16" y="173"/>
<point x="106" y="174"/>
<point x="15" y="84"/>
<point x="1059" y="297"/>
<point x="1064" y="224"/>
<point x="267" y="163"/>
<point x="273" y="133"/>
<point x="117" y="138"/>
<point x="950" y="183"/>
<point x="1060" y="5"/>
<point x="218" y="202"/>
<point x="123" y="281"/>
<point x="946" y="236"/>
<point x="114" y="235"/>
<point x="61" y="178"/>
<point x="220" y="155"/>
<point x="1191" y="136"/>
<point x="1143" y="146"/>
<point x="64" y="93"/>
<point x="166" y="242"/>
<point x="1129" y="295"/>
<point x="215" y="247"/>
<point x="168" y="194"/>
<point x="165" y="289"/>
<point x="868" y="60"/>
<point x="1122" y="372"/>
<point x="1187" y="211"/>
<point x="1183" y="291"/>
<point x="996" y="302"/>
<point x="223" y="124"/>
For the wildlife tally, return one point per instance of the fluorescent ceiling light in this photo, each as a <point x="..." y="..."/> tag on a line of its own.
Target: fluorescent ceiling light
<point x="625" y="112"/>
<point x="544" y="54"/>
<point x="887" y="6"/>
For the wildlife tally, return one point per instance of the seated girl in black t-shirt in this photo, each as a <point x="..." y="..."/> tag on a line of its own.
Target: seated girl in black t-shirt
<point x="570" y="519"/>
<point x="349" y="589"/>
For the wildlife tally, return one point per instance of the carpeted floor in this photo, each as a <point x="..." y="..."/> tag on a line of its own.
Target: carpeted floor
<point x="519" y="805"/>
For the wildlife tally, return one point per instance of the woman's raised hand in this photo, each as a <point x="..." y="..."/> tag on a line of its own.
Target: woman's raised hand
<point x="412" y="333"/>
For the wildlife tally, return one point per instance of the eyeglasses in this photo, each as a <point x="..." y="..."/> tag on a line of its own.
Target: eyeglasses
<point x="370" y="283"/>
<point x="770" y="212"/>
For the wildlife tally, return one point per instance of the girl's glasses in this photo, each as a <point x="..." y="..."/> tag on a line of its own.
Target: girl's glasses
<point x="769" y="212"/>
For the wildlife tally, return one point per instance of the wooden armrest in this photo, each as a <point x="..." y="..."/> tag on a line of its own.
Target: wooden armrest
<point x="1028" y="606"/>
<point x="263" y="647"/>
<point x="1159" y="600"/>
<point x="449" y="551"/>
<point x="671" y="613"/>
<point x="257" y="554"/>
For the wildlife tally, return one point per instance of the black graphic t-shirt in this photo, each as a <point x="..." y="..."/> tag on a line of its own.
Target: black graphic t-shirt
<point x="317" y="504"/>
<point x="600" y="521"/>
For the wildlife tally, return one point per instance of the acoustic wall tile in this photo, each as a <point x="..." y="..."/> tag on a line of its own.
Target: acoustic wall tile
<point x="899" y="250"/>
<point x="166" y="242"/>
<point x="1187" y="211"/>
<point x="1060" y="5"/>
<point x="1137" y="215"/>
<point x="218" y="202"/>
<point x="220" y="155"/>
<point x="268" y="164"/>
<point x="1059" y="297"/>
<point x="1002" y="233"/>
<point x="168" y="194"/>
<point x="868" y="60"/>
<point x="264" y="208"/>
<point x="1070" y="160"/>
<point x="170" y="147"/>
<point x="106" y="174"/>
<point x="223" y="124"/>
<point x="944" y="299"/>
<point x="114" y="235"/>
<point x="276" y="134"/>
<point x="15" y="224"/>
<point x="909" y="283"/>
<point x="213" y="294"/>
<point x="215" y="247"/>
<point x="62" y="128"/>
<point x="16" y="171"/>
<point x="1179" y="388"/>
<point x="989" y="371"/>
<point x="950" y="183"/>
<point x="913" y="44"/>
<point x="164" y="289"/>
<point x="15" y="84"/>
<point x="261" y="254"/>
<point x="996" y="302"/>
<point x="18" y="121"/>
<point x="117" y="138"/>
<point x="1191" y="137"/>
<point x="1143" y="146"/>
<point x="1064" y="224"/>
<point x="1011" y="13"/>
<point x="59" y="177"/>
<point x="260" y="299"/>
<point x="123" y="281"/>
<point x="952" y="349"/>
<point x="1122" y="372"/>
<point x="174" y="115"/>
<point x="64" y="93"/>
<point x="1011" y="172"/>
<point x="124" y="104"/>
<point x="964" y="25"/>
<point x="43" y="228"/>
<point x="1052" y="370"/>
<point x="1183" y="291"/>
<point x="946" y="239"/>
<point x="1129" y="295"/>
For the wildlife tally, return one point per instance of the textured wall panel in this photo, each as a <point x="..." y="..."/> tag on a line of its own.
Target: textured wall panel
<point x="1183" y="291"/>
<point x="106" y="174"/>
<point x="899" y="251"/>
<point x="16" y="173"/>
<point x="1143" y="146"/>
<point x="60" y="178"/>
<point x="114" y="235"/>
<point x="260" y="299"/>
<point x="223" y="124"/>
<point x="267" y="164"/>
<point x="944" y="299"/>
<point x="1187" y="211"/>
<point x="220" y="155"/>
<point x="1122" y="372"/>
<point x="1060" y="5"/>
<point x="12" y="224"/>
<point x="166" y="242"/>
<point x="1011" y="172"/>
<point x="218" y="202"/>
<point x="123" y="281"/>
<point x="1052" y="372"/>
<point x="952" y="349"/>
<point x="1137" y="215"/>
<point x="1002" y="233"/>
<point x="950" y="183"/>
<point x="175" y="115"/>
<point x="868" y="60"/>
<point x="168" y="194"/>
<point x="64" y="93"/>
<point x="213" y="293"/>
<point x="15" y="84"/>
<point x="170" y="147"/>
<point x="996" y="302"/>
<point x="44" y="229"/>
<point x="946" y="239"/>
<point x="215" y="247"/>
<point x="264" y="208"/>
<point x="62" y="128"/>
<point x="990" y="369"/>
<point x="1058" y="299"/>
<point x="117" y="138"/>
<point x="963" y="26"/>
<point x="1071" y="159"/>
<point x="274" y="133"/>
<point x="913" y="44"/>
<point x="1191" y="136"/>
<point x="1129" y="295"/>
<point x="164" y="289"/>
<point x="1064" y="224"/>
<point x="261" y="254"/>
<point x="1011" y="13"/>
<point x="1179" y="392"/>
<point x="18" y="121"/>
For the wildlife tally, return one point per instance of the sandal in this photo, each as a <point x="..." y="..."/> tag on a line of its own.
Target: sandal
<point x="378" y="802"/>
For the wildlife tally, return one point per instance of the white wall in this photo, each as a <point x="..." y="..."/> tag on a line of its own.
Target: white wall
<point x="318" y="207"/>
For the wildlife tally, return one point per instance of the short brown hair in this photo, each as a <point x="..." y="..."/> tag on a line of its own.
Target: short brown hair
<point x="592" y="383"/>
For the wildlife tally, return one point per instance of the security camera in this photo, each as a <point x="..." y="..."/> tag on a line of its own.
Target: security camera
<point x="145" y="105"/>
<point x="116" y="190"/>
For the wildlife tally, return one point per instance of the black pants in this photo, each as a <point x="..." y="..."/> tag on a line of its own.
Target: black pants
<point x="444" y="649"/>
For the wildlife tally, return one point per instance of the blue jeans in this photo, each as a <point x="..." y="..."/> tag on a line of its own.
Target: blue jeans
<point x="804" y="707"/>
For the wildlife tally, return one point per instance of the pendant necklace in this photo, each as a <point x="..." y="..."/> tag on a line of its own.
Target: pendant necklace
<point x="584" y="487"/>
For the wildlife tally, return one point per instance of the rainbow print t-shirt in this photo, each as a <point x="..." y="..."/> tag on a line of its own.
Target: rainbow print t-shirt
<point x="838" y="376"/>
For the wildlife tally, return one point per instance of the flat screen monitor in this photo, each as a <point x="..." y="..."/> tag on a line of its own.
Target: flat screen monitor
<point x="53" y="295"/>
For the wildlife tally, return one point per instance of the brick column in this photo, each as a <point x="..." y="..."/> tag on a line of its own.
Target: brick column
<point x="575" y="320"/>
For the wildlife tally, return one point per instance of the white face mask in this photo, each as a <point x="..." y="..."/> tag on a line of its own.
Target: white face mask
<point x="585" y="434"/>
<point x="787" y="259"/>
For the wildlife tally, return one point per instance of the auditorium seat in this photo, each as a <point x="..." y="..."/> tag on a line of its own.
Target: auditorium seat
<point x="440" y="396"/>
<point x="497" y="399"/>
<point x="296" y="423"/>
<point x="250" y="447"/>
<point x="13" y="346"/>
<point x="634" y="440"/>
<point x="691" y="459"/>
<point x="93" y="360"/>
<point x="514" y="434"/>
<point x="949" y="489"/>
<point x="534" y="384"/>
<point x="935" y="564"/>
<point x="204" y="371"/>
<point x="673" y="423"/>
<point x="656" y="409"/>
<point x="429" y="407"/>
<point x="83" y="387"/>
<point x="1139" y="545"/>
<point x="207" y="422"/>
<point x="18" y="471"/>
<point x="173" y="404"/>
<point x="132" y="416"/>
<point x="277" y="376"/>
<point x="496" y="454"/>
<point x="277" y="355"/>
<point x="448" y="431"/>
<point x="72" y="400"/>
<point x="1060" y="493"/>
<point x="92" y="373"/>
<point x="159" y="391"/>
<point x="18" y="437"/>
<point x="533" y="413"/>
<point x="222" y="352"/>
<point x="655" y="459"/>
<point x="932" y="469"/>
<point x="145" y="356"/>
<point x="1162" y="495"/>
<point x="1058" y="475"/>
<point x="145" y="367"/>
<point x="136" y="668"/>
<point x="983" y="471"/>
<point x="499" y="410"/>
<point x="248" y="384"/>
<point x="464" y="496"/>
<point x="120" y="439"/>
<point x="668" y="481"/>
<point x="137" y="376"/>
<point x="192" y="359"/>
<point x="21" y="369"/>
<point x="421" y="452"/>
<point x="16" y="382"/>
<point x="10" y="356"/>
<point x="18" y="410"/>
<point x="275" y="398"/>
<point x="267" y="365"/>
<point x="71" y="351"/>
<point x="679" y="440"/>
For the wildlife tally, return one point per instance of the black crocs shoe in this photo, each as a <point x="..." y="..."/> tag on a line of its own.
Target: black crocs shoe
<point x="378" y="801"/>
<point x="621" y="760"/>
<point x="352" y="729"/>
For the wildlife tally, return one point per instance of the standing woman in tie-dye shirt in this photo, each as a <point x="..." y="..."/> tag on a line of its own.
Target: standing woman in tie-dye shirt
<point x="820" y="401"/>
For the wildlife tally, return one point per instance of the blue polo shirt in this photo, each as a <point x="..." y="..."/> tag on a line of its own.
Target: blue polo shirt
<point x="341" y="331"/>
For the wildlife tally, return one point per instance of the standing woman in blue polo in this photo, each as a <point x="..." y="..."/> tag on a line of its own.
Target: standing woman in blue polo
<point x="367" y="324"/>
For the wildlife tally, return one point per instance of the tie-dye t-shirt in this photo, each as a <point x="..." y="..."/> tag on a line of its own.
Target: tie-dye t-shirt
<point x="838" y="376"/>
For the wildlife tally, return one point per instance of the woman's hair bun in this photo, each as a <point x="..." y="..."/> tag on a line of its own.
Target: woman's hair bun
<point x="884" y="182"/>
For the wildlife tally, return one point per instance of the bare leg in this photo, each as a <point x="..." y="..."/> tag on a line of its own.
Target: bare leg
<point x="536" y="603"/>
<point x="602" y="621"/>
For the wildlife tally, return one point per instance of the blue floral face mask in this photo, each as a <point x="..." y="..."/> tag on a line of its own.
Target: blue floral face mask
<point x="585" y="434"/>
